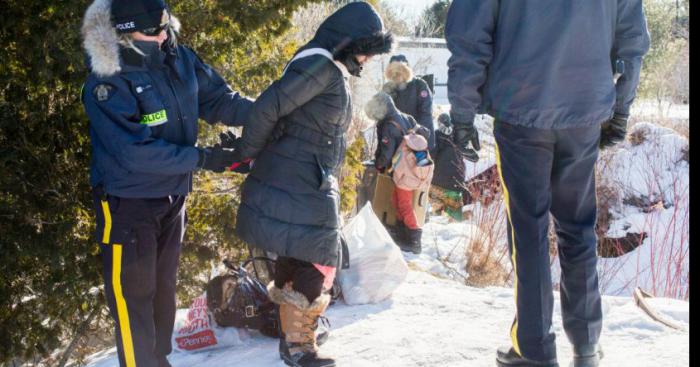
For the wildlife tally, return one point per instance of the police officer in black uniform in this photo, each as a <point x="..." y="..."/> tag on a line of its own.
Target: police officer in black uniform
<point x="144" y="96"/>
<point x="554" y="88"/>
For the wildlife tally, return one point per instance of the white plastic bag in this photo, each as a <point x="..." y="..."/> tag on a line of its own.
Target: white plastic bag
<point x="196" y="330"/>
<point x="377" y="266"/>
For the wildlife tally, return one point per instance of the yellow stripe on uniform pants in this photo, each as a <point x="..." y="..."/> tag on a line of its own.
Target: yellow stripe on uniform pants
<point x="108" y="222"/>
<point x="506" y="197"/>
<point x="122" y="312"/>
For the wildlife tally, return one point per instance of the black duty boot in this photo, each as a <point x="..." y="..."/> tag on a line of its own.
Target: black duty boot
<point x="507" y="357"/>
<point x="587" y="355"/>
<point x="413" y="241"/>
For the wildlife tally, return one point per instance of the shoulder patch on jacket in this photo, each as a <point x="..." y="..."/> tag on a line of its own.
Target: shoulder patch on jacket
<point x="103" y="92"/>
<point x="424" y="94"/>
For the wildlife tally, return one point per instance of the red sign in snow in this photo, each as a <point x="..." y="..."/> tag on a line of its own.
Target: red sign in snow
<point x="196" y="341"/>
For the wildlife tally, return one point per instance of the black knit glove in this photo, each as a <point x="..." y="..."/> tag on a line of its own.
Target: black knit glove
<point x="613" y="131"/>
<point x="215" y="159"/>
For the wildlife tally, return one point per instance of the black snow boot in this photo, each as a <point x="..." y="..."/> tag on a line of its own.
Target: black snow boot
<point x="397" y="232"/>
<point x="507" y="357"/>
<point x="587" y="355"/>
<point x="413" y="241"/>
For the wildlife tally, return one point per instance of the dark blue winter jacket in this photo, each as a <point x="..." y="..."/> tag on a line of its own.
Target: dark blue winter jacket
<point x="544" y="63"/>
<point x="143" y="117"/>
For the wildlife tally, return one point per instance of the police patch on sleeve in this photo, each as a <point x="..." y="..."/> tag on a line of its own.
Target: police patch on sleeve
<point x="424" y="94"/>
<point x="103" y="92"/>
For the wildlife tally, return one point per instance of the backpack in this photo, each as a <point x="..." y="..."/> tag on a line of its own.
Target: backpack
<point x="405" y="171"/>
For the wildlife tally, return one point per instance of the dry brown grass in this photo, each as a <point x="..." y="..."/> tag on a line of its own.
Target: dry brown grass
<point x="637" y="137"/>
<point x="483" y="267"/>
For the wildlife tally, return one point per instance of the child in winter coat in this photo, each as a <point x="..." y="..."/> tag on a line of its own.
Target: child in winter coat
<point x="448" y="180"/>
<point x="392" y="127"/>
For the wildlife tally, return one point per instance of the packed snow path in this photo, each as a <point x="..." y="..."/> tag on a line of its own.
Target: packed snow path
<point x="438" y="322"/>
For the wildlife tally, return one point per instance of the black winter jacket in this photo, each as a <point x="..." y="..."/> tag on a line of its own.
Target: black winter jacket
<point x="284" y="208"/>
<point x="449" y="165"/>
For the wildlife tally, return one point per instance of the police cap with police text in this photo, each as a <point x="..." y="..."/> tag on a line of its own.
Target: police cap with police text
<point x="136" y="15"/>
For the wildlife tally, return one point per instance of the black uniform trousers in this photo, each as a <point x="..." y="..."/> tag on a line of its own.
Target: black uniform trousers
<point x="543" y="172"/>
<point x="140" y="242"/>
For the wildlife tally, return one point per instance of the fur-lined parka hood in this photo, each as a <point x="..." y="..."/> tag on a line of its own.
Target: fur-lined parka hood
<point x="380" y="106"/>
<point x="354" y="29"/>
<point x="101" y="41"/>
<point x="398" y="75"/>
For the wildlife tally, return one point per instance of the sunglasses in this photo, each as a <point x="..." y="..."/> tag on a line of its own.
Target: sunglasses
<point x="155" y="31"/>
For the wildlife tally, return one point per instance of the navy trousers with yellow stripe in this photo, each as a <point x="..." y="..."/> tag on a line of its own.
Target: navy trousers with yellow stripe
<point x="140" y="242"/>
<point x="551" y="172"/>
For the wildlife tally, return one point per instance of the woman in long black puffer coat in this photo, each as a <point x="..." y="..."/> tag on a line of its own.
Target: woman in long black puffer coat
<point x="290" y="199"/>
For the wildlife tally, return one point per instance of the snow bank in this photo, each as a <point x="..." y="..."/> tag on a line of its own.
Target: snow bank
<point x="438" y="322"/>
<point x="650" y="174"/>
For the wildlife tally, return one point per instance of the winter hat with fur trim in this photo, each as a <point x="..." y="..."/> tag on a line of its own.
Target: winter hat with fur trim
<point x="136" y="15"/>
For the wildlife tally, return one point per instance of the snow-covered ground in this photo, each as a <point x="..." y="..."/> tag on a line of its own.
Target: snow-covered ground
<point x="433" y="319"/>
<point x="651" y="166"/>
<point x="649" y="174"/>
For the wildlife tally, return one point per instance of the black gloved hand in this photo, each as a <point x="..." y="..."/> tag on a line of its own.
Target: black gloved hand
<point x="463" y="135"/>
<point x="216" y="159"/>
<point x="613" y="131"/>
<point x="229" y="140"/>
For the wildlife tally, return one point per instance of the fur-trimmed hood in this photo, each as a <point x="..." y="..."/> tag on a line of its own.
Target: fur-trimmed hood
<point x="399" y="74"/>
<point x="380" y="106"/>
<point x="354" y="29"/>
<point x="101" y="41"/>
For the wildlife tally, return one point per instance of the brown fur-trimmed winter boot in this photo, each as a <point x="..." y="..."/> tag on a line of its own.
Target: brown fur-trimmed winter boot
<point x="299" y="320"/>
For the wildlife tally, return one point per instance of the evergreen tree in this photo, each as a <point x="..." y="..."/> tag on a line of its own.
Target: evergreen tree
<point x="432" y="22"/>
<point x="50" y="281"/>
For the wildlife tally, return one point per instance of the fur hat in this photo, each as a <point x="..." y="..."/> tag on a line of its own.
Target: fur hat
<point x="101" y="40"/>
